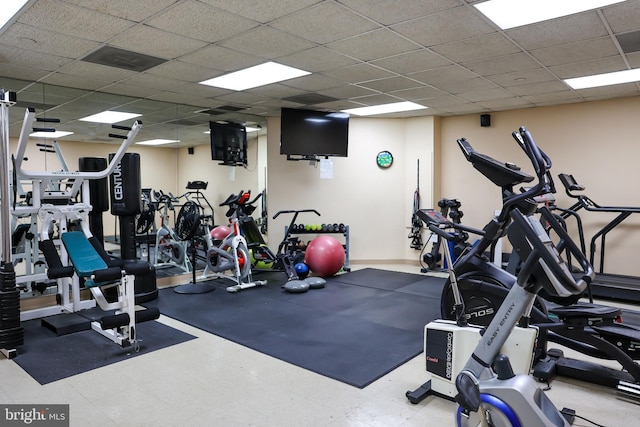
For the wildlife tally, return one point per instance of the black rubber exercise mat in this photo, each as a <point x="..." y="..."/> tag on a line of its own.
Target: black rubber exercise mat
<point x="47" y="357"/>
<point x="361" y="326"/>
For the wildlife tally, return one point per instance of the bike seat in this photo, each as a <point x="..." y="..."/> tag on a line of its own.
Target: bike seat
<point x="586" y="310"/>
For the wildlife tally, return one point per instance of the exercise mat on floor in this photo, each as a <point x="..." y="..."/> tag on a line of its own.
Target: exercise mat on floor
<point x="362" y="325"/>
<point x="47" y="357"/>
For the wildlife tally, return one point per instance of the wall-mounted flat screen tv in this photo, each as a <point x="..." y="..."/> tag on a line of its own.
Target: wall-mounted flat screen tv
<point x="314" y="133"/>
<point x="228" y="143"/>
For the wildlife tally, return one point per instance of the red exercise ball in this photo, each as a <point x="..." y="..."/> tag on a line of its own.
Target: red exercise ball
<point x="324" y="256"/>
<point x="220" y="232"/>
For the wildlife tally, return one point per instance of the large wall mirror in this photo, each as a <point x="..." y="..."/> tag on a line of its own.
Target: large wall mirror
<point x="169" y="167"/>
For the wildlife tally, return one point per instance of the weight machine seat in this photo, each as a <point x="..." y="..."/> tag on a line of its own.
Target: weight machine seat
<point x="586" y="310"/>
<point x="88" y="261"/>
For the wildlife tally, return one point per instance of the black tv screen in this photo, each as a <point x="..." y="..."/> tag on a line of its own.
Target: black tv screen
<point x="314" y="133"/>
<point x="228" y="143"/>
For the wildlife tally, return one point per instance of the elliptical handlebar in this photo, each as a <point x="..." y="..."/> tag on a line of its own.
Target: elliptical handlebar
<point x="566" y="284"/>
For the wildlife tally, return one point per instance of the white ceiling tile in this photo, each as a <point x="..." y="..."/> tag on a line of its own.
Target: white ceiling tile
<point x="623" y="17"/>
<point x="478" y="48"/>
<point x="374" y="45"/>
<point x="411" y="62"/>
<point x="389" y="12"/>
<point x="361" y="72"/>
<point x="445" y="27"/>
<point x="66" y="18"/>
<point x="49" y="42"/>
<point x="486" y="94"/>
<point x="101" y="72"/>
<point x="155" y="42"/>
<point x="443" y="75"/>
<point x="576" y="52"/>
<point x="221" y="58"/>
<point x="135" y="11"/>
<point x="539" y="88"/>
<point x="421" y="92"/>
<point x="76" y="82"/>
<point x="587" y="25"/>
<point x="313" y="82"/>
<point x="522" y="77"/>
<point x="266" y="42"/>
<point x="553" y="98"/>
<point x="377" y="99"/>
<point x="263" y="11"/>
<point x="19" y="72"/>
<point x="201" y="22"/>
<point x="323" y="23"/>
<point x="506" y="104"/>
<point x="30" y="59"/>
<point x="317" y="59"/>
<point x="183" y="71"/>
<point x="391" y="84"/>
<point x="348" y="91"/>
<point x="586" y="68"/>
<point x="503" y="64"/>
<point x="468" y="85"/>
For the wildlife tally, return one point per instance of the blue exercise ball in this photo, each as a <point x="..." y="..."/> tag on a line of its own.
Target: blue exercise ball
<point x="302" y="270"/>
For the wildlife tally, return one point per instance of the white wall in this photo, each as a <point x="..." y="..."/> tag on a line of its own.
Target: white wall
<point x="375" y="203"/>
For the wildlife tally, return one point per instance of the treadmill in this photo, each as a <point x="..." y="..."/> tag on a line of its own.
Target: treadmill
<point x="618" y="287"/>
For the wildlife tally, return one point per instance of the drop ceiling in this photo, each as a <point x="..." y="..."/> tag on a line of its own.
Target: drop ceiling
<point x="72" y="58"/>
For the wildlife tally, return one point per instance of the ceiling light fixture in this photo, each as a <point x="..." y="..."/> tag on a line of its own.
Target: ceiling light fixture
<point x="109" y="117"/>
<point x="9" y="9"/>
<point x="606" y="79"/>
<point x="50" y="135"/>
<point x="515" y="13"/>
<point x="259" y="75"/>
<point x="158" y="142"/>
<point x="385" y="108"/>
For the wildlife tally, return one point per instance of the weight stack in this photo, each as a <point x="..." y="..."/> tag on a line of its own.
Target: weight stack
<point x="11" y="333"/>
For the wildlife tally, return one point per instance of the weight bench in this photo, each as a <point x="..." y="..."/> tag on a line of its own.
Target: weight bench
<point x="91" y="262"/>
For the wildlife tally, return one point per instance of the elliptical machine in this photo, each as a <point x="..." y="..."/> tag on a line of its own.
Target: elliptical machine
<point x="591" y="329"/>
<point x="489" y="393"/>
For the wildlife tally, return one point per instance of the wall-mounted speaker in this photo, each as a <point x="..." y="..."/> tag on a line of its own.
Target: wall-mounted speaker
<point x="190" y="150"/>
<point x="485" y="120"/>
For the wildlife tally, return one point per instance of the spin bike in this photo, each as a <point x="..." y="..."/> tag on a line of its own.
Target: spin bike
<point x="231" y="253"/>
<point x="169" y="250"/>
<point x="489" y="392"/>
<point x="287" y="254"/>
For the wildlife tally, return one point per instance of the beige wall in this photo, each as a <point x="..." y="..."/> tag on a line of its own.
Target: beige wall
<point x="375" y="203"/>
<point x="597" y="142"/>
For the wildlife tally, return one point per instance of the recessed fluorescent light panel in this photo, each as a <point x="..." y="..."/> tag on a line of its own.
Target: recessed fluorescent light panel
<point x="385" y="108"/>
<point x="50" y="135"/>
<point x="252" y="129"/>
<point x="515" y="13"/>
<point x="9" y="9"/>
<point x="158" y="142"/>
<point x="606" y="79"/>
<point x="259" y="75"/>
<point x="109" y="117"/>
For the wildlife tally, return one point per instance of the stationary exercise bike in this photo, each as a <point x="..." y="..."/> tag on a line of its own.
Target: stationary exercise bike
<point x="230" y="254"/>
<point x="489" y="393"/>
<point x="169" y="249"/>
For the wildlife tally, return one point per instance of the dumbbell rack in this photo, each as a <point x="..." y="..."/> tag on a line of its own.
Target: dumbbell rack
<point x="345" y="233"/>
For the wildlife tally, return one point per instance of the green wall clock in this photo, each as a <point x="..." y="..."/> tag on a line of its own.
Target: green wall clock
<point x="384" y="159"/>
